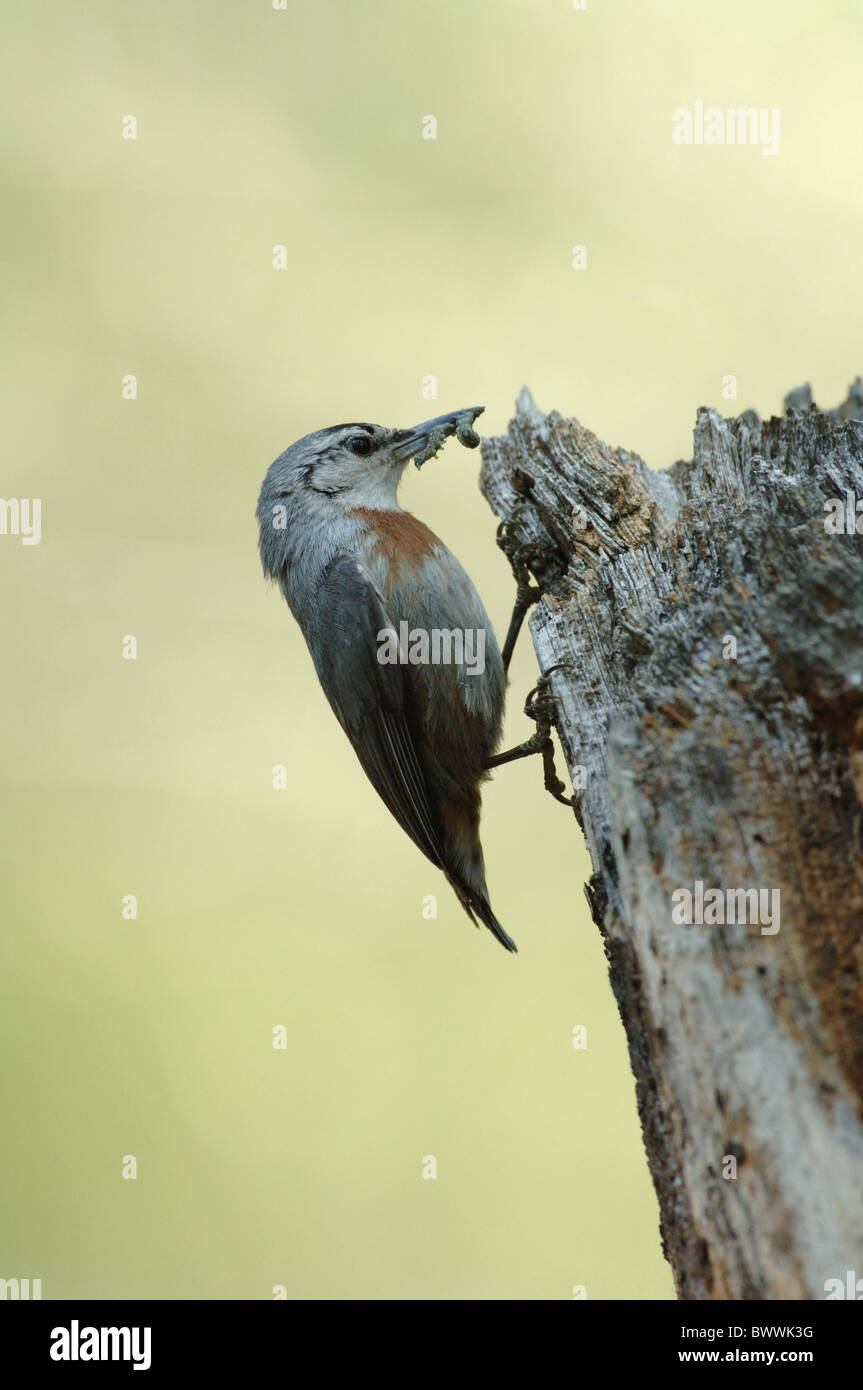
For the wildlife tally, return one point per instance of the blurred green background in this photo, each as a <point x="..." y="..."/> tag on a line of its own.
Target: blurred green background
<point x="406" y="258"/>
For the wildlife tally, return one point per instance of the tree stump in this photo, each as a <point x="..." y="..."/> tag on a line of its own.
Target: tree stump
<point x="706" y="626"/>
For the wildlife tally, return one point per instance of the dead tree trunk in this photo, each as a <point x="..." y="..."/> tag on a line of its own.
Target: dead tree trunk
<point x="708" y="626"/>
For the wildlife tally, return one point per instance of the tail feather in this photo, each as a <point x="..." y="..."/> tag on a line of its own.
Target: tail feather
<point x="461" y="861"/>
<point x="476" y="905"/>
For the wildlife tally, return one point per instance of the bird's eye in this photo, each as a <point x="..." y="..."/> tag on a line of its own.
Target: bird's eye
<point x="360" y="444"/>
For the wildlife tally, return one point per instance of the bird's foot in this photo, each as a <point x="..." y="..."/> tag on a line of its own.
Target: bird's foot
<point x="539" y="707"/>
<point x="526" y="593"/>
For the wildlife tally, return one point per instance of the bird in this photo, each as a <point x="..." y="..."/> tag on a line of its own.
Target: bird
<point x="365" y="580"/>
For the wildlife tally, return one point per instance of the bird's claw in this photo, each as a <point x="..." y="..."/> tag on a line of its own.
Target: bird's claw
<point x="539" y="707"/>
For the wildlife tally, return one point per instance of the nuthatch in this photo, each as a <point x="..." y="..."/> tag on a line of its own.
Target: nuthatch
<point x="354" y="567"/>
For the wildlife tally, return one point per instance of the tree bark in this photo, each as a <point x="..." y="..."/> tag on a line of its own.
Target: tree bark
<point x="695" y="763"/>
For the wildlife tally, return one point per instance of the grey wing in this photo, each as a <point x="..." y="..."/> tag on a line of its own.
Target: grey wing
<point x="371" y="699"/>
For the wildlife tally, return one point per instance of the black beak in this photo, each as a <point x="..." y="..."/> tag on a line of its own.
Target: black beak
<point x="423" y="441"/>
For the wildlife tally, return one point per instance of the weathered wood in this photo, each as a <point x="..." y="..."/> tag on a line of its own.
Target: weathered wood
<point x="739" y="773"/>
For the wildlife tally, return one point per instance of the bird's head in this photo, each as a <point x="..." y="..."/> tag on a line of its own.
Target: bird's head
<point x="333" y="472"/>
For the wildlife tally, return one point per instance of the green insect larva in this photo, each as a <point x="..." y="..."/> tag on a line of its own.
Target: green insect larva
<point x="459" y="424"/>
<point x="435" y="442"/>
